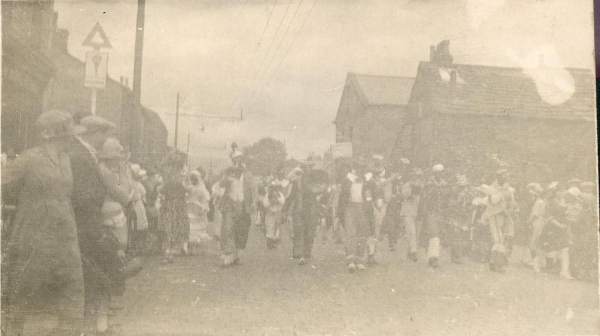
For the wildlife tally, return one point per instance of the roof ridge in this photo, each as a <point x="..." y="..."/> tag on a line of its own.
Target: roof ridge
<point x="506" y="68"/>
<point x="387" y="76"/>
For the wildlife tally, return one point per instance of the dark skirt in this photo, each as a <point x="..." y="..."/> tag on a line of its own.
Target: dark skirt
<point x="554" y="238"/>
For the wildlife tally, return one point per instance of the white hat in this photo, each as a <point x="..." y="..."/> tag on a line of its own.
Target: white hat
<point x="135" y="168"/>
<point x="142" y="172"/>
<point x="575" y="193"/>
<point x="405" y="160"/>
<point x="236" y="154"/>
<point x="438" y="168"/>
<point x="535" y="188"/>
<point x="552" y="185"/>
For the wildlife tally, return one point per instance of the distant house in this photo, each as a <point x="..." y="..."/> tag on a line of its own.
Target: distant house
<point x="115" y="103"/>
<point x="539" y="123"/>
<point x="371" y="111"/>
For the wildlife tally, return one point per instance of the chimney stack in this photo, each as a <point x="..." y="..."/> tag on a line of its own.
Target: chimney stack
<point x="432" y="54"/>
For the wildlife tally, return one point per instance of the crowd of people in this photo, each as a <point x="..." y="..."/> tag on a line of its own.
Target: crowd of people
<point x="79" y="217"/>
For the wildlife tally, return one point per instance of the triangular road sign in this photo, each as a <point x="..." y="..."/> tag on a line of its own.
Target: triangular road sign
<point x="97" y="38"/>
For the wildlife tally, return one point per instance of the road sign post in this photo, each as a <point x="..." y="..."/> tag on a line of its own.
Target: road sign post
<point x="96" y="62"/>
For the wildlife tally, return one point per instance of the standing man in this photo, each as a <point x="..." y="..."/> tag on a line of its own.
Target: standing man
<point x="293" y="208"/>
<point x="411" y="196"/>
<point x="380" y="186"/>
<point x="239" y="208"/>
<point x="458" y="218"/>
<point x="98" y="246"/>
<point x="500" y="210"/>
<point x="314" y="187"/>
<point x="352" y="208"/>
<point x="433" y="208"/>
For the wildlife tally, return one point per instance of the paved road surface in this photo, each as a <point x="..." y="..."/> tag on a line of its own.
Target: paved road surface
<point x="270" y="295"/>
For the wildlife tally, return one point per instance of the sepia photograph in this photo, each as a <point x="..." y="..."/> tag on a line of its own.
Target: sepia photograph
<point x="299" y="167"/>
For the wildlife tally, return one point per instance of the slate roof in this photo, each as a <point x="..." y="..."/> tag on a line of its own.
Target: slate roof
<point x="564" y="94"/>
<point x="383" y="90"/>
<point x="155" y="118"/>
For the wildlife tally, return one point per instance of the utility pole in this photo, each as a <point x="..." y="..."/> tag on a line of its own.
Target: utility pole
<point x="242" y="115"/>
<point x="188" y="152"/>
<point x="176" y="120"/>
<point x="137" y="120"/>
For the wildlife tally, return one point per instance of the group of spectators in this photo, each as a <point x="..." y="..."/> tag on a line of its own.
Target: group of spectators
<point x="79" y="216"/>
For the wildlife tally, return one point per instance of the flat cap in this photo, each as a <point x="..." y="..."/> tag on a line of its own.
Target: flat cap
<point x="95" y="123"/>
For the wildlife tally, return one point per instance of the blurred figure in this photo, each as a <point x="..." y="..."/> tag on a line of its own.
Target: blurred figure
<point x="114" y="218"/>
<point x="584" y="251"/>
<point x="555" y="238"/>
<point x="218" y="191"/>
<point x="272" y="205"/>
<point x="151" y="186"/>
<point x="433" y="207"/>
<point x="293" y="208"/>
<point x="197" y="205"/>
<point x="98" y="245"/>
<point x="238" y="207"/>
<point x="173" y="220"/>
<point x="139" y="220"/>
<point x="43" y="262"/>
<point x="481" y="235"/>
<point x="537" y="221"/>
<point x="352" y="203"/>
<point x="499" y="213"/>
<point x="410" y="195"/>
<point x="458" y="218"/>
<point x="314" y="187"/>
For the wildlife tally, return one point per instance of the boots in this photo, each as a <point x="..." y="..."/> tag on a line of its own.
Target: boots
<point x="434" y="262"/>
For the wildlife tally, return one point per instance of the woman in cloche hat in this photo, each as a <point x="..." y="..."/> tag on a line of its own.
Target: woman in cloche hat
<point x="42" y="260"/>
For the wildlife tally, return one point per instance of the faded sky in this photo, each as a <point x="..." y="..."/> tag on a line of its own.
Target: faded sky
<point x="204" y="49"/>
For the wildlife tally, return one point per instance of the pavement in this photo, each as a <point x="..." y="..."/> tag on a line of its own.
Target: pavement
<point x="269" y="294"/>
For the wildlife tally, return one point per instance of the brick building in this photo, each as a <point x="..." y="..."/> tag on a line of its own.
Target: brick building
<point x="475" y="119"/>
<point x="371" y="111"/>
<point x="27" y="29"/>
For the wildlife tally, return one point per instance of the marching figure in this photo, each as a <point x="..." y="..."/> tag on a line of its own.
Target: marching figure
<point x="433" y="209"/>
<point x="458" y="218"/>
<point x="352" y="208"/>
<point x="411" y="196"/>
<point x="314" y="187"/>
<point x="499" y="213"/>
<point x="197" y="205"/>
<point x="273" y="202"/>
<point x="238" y="207"/>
